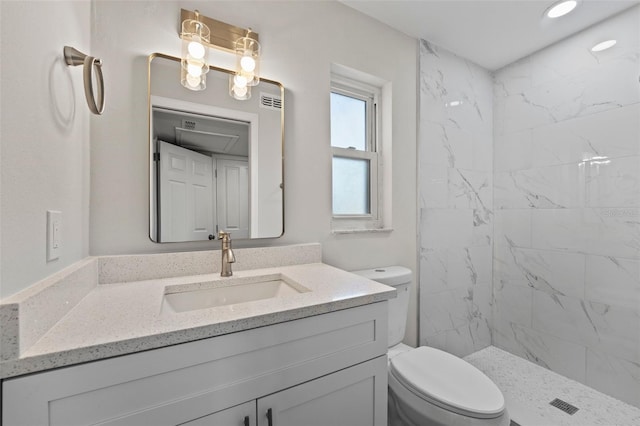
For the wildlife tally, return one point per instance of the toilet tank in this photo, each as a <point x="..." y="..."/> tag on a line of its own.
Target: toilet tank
<point x="400" y="278"/>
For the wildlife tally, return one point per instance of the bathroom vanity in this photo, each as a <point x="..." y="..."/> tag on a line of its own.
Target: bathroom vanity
<point x="325" y="369"/>
<point x="315" y="356"/>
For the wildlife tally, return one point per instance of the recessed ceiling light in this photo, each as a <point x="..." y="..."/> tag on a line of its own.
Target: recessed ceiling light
<point x="603" y="46"/>
<point x="561" y="8"/>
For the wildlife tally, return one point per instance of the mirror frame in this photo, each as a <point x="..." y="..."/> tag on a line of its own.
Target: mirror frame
<point x="150" y="174"/>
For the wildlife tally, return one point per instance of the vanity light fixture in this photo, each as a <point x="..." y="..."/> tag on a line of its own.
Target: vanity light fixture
<point x="561" y="8"/>
<point x="195" y="40"/>
<point x="247" y="73"/>
<point x="603" y="45"/>
<point x="202" y="32"/>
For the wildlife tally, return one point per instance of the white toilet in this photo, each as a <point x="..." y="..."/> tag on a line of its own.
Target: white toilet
<point x="428" y="386"/>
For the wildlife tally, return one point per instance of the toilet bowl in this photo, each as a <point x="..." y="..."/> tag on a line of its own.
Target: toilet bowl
<point x="428" y="386"/>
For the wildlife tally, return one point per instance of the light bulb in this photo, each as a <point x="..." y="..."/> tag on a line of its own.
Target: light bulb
<point x="194" y="70"/>
<point x="248" y="63"/>
<point x="196" y="50"/>
<point x="240" y="91"/>
<point x="561" y="9"/>
<point x="193" y="81"/>
<point x="240" y="81"/>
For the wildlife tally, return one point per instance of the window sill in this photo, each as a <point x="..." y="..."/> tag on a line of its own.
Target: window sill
<point x="361" y="231"/>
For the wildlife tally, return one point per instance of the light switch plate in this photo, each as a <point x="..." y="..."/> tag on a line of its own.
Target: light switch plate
<point x="54" y="235"/>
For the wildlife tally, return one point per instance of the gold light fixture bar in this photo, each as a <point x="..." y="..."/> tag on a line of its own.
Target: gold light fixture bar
<point x="223" y="35"/>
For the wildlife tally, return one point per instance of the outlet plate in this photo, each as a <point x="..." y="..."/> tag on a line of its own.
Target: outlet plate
<point x="54" y="235"/>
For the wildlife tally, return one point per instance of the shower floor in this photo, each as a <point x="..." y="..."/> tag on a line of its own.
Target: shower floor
<point x="528" y="389"/>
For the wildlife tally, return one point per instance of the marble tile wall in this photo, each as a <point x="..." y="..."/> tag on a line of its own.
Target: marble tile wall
<point x="566" y="186"/>
<point x="529" y="186"/>
<point x="456" y="202"/>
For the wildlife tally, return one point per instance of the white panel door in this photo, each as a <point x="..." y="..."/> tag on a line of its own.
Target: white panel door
<point x="186" y="194"/>
<point x="233" y="197"/>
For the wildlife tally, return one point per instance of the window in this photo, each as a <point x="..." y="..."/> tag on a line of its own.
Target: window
<point x="356" y="165"/>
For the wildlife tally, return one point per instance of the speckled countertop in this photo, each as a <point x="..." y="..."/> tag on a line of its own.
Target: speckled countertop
<point x="121" y="318"/>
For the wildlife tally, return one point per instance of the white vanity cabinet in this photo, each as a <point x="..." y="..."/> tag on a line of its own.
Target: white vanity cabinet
<point x="328" y="369"/>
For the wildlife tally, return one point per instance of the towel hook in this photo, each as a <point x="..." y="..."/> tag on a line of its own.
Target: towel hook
<point x="74" y="57"/>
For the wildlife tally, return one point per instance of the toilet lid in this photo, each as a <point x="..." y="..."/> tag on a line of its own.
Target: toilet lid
<point x="448" y="381"/>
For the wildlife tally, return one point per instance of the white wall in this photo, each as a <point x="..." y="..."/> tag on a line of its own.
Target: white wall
<point x="300" y="40"/>
<point x="44" y="138"/>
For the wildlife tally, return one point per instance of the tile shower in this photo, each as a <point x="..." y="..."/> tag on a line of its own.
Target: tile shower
<point x="530" y="206"/>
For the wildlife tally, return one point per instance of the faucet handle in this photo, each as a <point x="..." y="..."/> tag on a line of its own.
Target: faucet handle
<point x="224" y="236"/>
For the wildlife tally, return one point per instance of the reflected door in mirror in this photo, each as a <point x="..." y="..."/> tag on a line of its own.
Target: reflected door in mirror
<point x="186" y="194"/>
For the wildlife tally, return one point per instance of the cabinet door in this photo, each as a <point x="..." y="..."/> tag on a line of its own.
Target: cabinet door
<point x="181" y="415"/>
<point x="184" y="415"/>
<point x="240" y="415"/>
<point x="354" y="396"/>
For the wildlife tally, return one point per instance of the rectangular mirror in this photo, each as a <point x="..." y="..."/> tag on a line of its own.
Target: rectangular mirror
<point x="216" y="163"/>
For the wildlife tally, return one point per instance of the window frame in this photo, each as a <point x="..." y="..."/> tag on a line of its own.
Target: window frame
<point x="371" y="96"/>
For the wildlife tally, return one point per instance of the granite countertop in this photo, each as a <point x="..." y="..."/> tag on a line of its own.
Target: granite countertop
<point x="122" y="318"/>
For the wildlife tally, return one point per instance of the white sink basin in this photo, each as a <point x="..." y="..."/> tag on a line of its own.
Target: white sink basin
<point x="227" y="293"/>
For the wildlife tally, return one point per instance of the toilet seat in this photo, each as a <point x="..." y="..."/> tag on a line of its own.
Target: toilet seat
<point x="448" y="382"/>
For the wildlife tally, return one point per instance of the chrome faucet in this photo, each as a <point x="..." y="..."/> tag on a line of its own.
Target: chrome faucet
<point x="227" y="254"/>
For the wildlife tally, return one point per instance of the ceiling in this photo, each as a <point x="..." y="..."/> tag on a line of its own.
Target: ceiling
<point x="491" y="33"/>
<point x="202" y="133"/>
